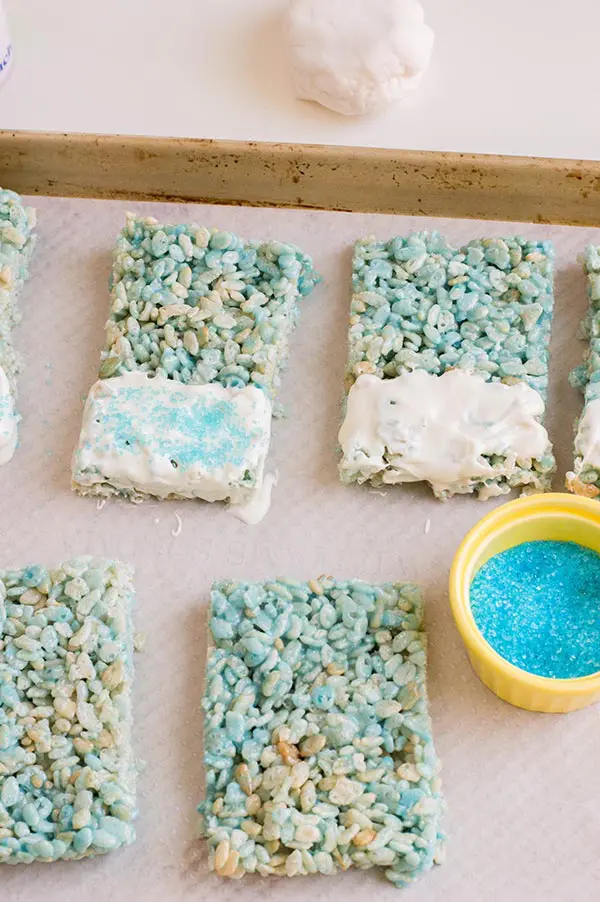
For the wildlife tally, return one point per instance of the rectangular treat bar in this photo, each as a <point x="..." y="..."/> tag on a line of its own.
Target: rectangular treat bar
<point x="584" y="479"/>
<point x="67" y="773"/>
<point x="198" y="331"/>
<point x="317" y="743"/>
<point x="448" y="365"/>
<point x="16" y="244"/>
<point x="143" y="436"/>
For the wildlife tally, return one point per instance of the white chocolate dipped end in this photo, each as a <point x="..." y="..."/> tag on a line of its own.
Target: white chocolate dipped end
<point x="440" y="429"/>
<point x="8" y="420"/>
<point x="587" y="451"/>
<point x="154" y="436"/>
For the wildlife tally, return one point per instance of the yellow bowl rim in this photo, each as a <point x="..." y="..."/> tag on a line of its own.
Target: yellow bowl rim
<point x="490" y="524"/>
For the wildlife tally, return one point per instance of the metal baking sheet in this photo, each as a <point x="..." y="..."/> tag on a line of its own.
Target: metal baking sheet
<point x="522" y="789"/>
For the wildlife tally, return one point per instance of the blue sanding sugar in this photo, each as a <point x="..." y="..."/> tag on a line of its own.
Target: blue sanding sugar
<point x="538" y="605"/>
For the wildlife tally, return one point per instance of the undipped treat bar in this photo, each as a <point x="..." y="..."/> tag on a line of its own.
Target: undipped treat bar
<point x="198" y="332"/>
<point x="585" y="477"/>
<point x="67" y="773"/>
<point x="448" y="365"/>
<point x="317" y="740"/>
<point x="16" y="244"/>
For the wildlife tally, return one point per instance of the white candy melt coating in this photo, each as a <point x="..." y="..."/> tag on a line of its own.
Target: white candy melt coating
<point x="356" y="56"/>
<point x="437" y="429"/>
<point x="152" y="436"/>
<point x="255" y="510"/>
<point x="587" y="440"/>
<point x="8" y="420"/>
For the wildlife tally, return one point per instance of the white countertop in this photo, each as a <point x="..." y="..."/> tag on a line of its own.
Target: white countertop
<point x="512" y="78"/>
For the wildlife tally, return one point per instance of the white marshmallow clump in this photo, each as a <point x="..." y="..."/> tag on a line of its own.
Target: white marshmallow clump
<point x="356" y="57"/>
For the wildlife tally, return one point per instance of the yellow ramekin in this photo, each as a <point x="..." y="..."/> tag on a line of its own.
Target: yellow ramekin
<point x="555" y="516"/>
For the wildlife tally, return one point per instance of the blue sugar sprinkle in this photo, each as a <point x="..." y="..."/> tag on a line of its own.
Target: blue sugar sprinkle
<point x="209" y="431"/>
<point x="538" y="605"/>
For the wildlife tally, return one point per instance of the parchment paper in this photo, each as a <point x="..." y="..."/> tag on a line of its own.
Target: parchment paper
<point x="523" y="790"/>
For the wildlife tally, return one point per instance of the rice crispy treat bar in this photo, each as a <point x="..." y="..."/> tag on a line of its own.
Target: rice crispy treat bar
<point x="16" y="245"/>
<point x="197" y="336"/>
<point x="67" y="773"/>
<point x="457" y="341"/>
<point x="199" y="305"/>
<point x="318" y="749"/>
<point x="585" y="477"/>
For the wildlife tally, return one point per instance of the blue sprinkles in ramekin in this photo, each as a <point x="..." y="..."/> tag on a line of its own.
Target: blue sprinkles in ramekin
<point x="538" y="605"/>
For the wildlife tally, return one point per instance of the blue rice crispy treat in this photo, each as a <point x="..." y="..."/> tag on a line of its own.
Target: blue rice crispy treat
<point x="585" y="478"/>
<point x="67" y="774"/>
<point x="318" y="748"/>
<point x="200" y="305"/>
<point x="419" y="303"/>
<point x="212" y="314"/>
<point x="16" y="245"/>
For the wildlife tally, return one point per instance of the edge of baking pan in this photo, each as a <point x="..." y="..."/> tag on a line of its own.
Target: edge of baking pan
<point x="355" y="179"/>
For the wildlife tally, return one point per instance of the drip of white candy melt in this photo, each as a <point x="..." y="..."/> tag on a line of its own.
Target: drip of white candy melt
<point x="256" y="509"/>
